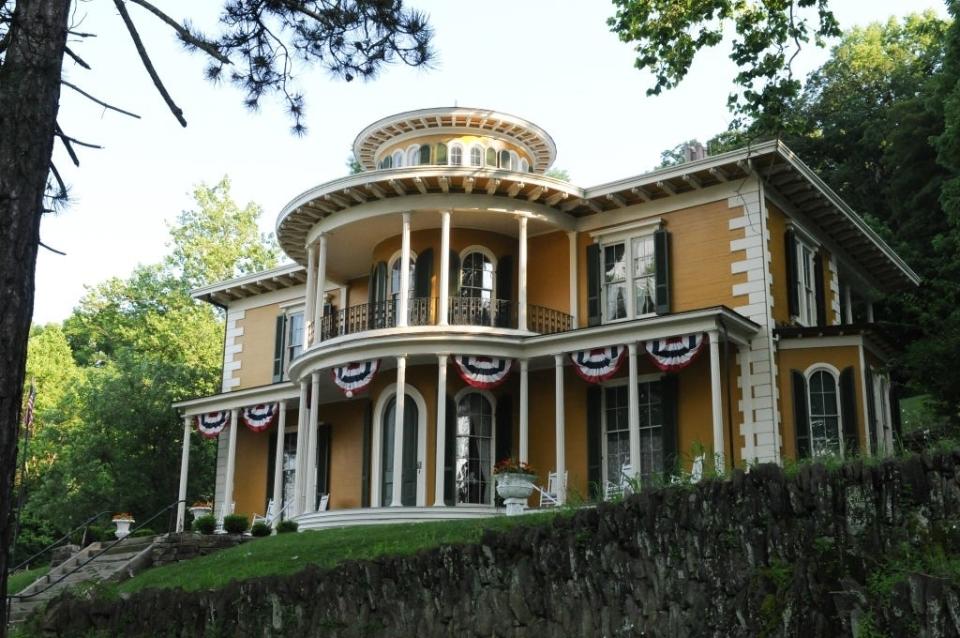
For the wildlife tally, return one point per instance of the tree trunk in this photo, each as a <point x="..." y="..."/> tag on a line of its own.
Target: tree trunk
<point x="29" y="100"/>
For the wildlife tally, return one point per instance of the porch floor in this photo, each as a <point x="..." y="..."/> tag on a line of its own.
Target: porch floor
<point x="390" y="515"/>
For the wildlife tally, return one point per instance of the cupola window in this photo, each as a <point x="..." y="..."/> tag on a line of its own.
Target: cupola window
<point x="456" y="155"/>
<point x="492" y="157"/>
<point x="442" y="155"/>
<point x="476" y="156"/>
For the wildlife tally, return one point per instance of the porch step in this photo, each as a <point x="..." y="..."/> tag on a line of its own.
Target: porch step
<point x="390" y="515"/>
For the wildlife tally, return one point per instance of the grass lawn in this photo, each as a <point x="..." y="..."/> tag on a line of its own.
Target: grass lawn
<point x="22" y="579"/>
<point x="288" y="553"/>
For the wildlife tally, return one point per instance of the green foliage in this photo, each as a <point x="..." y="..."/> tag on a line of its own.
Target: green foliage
<point x="22" y="579"/>
<point x="142" y="532"/>
<point x="287" y="527"/>
<point x="260" y="529"/>
<point x="559" y="173"/>
<point x="204" y="524"/>
<point x="765" y="38"/>
<point x="235" y="523"/>
<point x="353" y="164"/>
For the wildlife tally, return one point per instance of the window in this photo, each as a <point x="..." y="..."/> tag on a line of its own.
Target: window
<point x="395" y="277"/>
<point x="442" y="154"/>
<point x="524" y="166"/>
<point x="629" y="278"/>
<point x="825" y="427"/>
<point x="477" y="275"/>
<point x="397" y="159"/>
<point x="806" y="281"/>
<point x="413" y="155"/>
<point x="456" y="155"/>
<point x="492" y="157"/>
<point x="476" y="156"/>
<point x="424" y="155"/>
<point x="505" y="160"/>
<point x="514" y="161"/>
<point x="294" y="335"/>
<point x="386" y="162"/>
<point x="616" y="430"/>
<point x="474" y="446"/>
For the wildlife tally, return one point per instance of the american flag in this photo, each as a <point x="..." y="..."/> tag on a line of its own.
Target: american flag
<point x="28" y="414"/>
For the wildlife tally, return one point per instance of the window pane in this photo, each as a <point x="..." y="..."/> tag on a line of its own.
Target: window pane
<point x="476" y="156"/>
<point x="474" y="449"/>
<point x="442" y="154"/>
<point x="616" y="301"/>
<point x="615" y="267"/>
<point x="491" y="157"/>
<point x="824" y="414"/>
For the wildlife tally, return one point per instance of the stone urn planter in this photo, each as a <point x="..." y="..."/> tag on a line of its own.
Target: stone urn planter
<point x="515" y="488"/>
<point x="200" y="510"/>
<point x="123" y="526"/>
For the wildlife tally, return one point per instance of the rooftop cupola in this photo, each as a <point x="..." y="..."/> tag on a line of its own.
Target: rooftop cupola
<point x="454" y="136"/>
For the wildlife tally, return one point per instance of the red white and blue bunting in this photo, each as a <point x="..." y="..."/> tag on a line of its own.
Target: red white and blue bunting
<point x="355" y="377"/>
<point x="598" y="364"/>
<point x="259" y="417"/>
<point x="483" y="372"/>
<point x="211" y="424"/>
<point x="674" y="353"/>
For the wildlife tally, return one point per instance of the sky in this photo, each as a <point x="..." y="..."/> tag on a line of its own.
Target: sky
<point x="553" y="62"/>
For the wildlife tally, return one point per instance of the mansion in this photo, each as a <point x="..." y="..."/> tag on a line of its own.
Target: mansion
<point x="451" y="306"/>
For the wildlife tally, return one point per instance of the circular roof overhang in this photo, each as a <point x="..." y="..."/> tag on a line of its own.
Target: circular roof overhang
<point x="457" y="120"/>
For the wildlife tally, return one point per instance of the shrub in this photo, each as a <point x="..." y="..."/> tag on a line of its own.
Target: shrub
<point x="285" y="527"/>
<point x="144" y="531"/>
<point x="205" y="524"/>
<point x="260" y="529"/>
<point x="235" y="523"/>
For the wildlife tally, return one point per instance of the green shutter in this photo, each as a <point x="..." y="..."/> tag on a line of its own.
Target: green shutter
<point x="365" y="461"/>
<point x="504" y="291"/>
<point x="454" y="287"/>
<point x="504" y="425"/>
<point x="278" y="347"/>
<point x="323" y="460"/>
<point x="661" y="255"/>
<point x="669" y="398"/>
<point x="422" y="274"/>
<point x="594" y="442"/>
<point x="871" y="416"/>
<point x="450" y="455"/>
<point x="801" y="422"/>
<point x="593" y="285"/>
<point x="896" y="417"/>
<point x="819" y="289"/>
<point x="848" y="413"/>
<point x="793" y="295"/>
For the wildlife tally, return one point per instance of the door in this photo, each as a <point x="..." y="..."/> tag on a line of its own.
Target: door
<point x="410" y="468"/>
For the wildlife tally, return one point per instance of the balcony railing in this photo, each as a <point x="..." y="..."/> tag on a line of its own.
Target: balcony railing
<point x="424" y="311"/>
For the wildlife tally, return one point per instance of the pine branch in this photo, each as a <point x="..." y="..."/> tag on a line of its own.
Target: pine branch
<point x="207" y="47"/>
<point x="138" y="43"/>
<point x="66" y="143"/>
<point x="100" y="102"/>
<point x="63" y="187"/>
<point x="53" y="250"/>
<point x="74" y="140"/>
<point x="76" y="58"/>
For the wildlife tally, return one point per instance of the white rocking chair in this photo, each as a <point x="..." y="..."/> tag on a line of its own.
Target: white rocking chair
<point x="272" y="516"/>
<point x="550" y="497"/>
<point x="324" y="503"/>
<point x="624" y="487"/>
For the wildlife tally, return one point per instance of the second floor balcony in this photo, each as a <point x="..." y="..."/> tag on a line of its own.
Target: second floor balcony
<point x="425" y="311"/>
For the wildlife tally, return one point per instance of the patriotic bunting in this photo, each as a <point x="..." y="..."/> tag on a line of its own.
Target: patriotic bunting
<point x="674" y="353"/>
<point x="483" y="372"/>
<point x="355" y="377"/>
<point x="211" y="424"/>
<point x="259" y="417"/>
<point x="598" y="364"/>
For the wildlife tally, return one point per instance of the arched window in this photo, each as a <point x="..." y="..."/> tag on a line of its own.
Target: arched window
<point x="409" y="470"/>
<point x="514" y="161"/>
<point x="477" y="275"/>
<point x="386" y="162"/>
<point x="413" y="155"/>
<point x="476" y="156"/>
<point x="505" y="160"/>
<point x="424" y="155"/>
<point x="524" y="166"/>
<point x="395" y="277"/>
<point x="397" y="159"/>
<point x="825" y="426"/>
<point x="492" y="157"/>
<point x="474" y="445"/>
<point x="456" y="155"/>
<point x="441" y="154"/>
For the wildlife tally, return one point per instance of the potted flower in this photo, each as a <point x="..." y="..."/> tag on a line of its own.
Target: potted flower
<point x="514" y="484"/>
<point x="201" y="508"/>
<point x="123" y="521"/>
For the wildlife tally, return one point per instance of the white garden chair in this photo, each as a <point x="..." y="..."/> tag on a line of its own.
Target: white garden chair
<point x="621" y="488"/>
<point x="324" y="503"/>
<point x="550" y="497"/>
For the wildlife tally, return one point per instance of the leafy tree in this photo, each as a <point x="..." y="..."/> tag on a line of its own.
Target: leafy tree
<point x="261" y="47"/>
<point x="559" y="173"/>
<point x="353" y="164"/>
<point x="218" y="240"/>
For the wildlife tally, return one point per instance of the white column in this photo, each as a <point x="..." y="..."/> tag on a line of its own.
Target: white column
<point x="397" y="495"/>
<point x="438" y="482"/>
<point x="522" y="280"/>
<point x="633" y="409"/>
<point x="403" y="306"/>
<point x="847" y="305"/>
<point x="716" y="400"/>
<point x="574" y="280"/>
<point x="561" y="446"/>
<point x="869" y="312"/>
<point x="310" y="309"/>
<point x="184" y="467"/>
<point x="227" y="506"/>
<point x="443" y="308"/>
<point x="310" y="470"/>
<point x="298" y="475"/>
<point x="278" y="459"/>
<point x="524" y="411"/>
<point x="321" y="287"/>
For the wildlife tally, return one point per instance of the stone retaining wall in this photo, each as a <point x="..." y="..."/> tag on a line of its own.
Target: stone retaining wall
<point x="820" y="553"/>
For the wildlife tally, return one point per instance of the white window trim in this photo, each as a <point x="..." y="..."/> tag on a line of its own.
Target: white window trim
<point x="619" y="232"/>
<point x="835" y="374"/>
<point x="483" y="154"/>
<point x="612" y="383"/>
<point x="807" y="314"/>
<point x="493" y="440"/>
<point x="412" y="155"/>
<point x="626" y="238"/>
<point x="450" y="148"/>
<point x="477" y="248"/>
<point x="398" y="157"/>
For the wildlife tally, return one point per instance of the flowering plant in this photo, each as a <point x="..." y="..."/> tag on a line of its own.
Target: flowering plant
<point x="123" y="516"/>
<point x="513" y="466"/>
<point x="203" y="504"/>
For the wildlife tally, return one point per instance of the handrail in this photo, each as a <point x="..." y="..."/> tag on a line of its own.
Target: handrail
<point x="59" y="540"/>
<point x="100" y="553"/>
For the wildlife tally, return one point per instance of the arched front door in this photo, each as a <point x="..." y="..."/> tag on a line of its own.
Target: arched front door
<point x="409" y="470"/>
